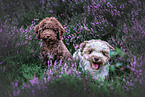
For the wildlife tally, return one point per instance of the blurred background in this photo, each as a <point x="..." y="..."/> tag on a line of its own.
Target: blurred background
<point x="119" y="22"/>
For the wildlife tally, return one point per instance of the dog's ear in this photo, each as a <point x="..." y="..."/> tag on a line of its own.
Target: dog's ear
<point x="111" y="47"/>
<point x="61" y="30"/>
<point x="36" y="29"/>
<point x="82" y="45"/>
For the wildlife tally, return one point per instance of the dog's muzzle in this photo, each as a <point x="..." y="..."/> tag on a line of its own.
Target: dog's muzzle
<point x="96" y="63"/>
<point x="47" y="39"/>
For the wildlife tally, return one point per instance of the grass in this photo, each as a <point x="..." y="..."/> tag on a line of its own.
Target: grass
<point x="121" y="23"/>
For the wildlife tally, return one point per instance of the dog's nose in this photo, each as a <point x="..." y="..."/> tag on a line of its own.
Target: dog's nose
<point x="47" y="36"/>
<point x="96" y="58"/>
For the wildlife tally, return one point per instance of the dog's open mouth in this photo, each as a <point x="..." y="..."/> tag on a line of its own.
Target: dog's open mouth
<point x="96" y="65"/>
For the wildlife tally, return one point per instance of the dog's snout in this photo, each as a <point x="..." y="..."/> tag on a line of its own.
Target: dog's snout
<point x="47" y="36"/>
<point x="96" y="58"/>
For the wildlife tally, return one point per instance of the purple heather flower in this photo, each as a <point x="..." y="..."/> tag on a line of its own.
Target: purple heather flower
<point x="34" y="81"/>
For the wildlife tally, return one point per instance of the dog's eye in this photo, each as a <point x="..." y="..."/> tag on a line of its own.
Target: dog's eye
<point x="55" y="30"/>
<point x="90" y="51"/>
<point x="105" y="53"/>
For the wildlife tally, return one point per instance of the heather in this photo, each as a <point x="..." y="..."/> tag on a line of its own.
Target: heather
<point x="120" y="22"/>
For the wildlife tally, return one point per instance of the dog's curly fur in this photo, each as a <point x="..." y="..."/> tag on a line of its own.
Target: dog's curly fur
<point x="93" y="55"/>
<point x="53" y="49"/>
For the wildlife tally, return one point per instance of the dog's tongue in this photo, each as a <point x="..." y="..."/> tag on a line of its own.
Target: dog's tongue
<point x="95" y="66"/>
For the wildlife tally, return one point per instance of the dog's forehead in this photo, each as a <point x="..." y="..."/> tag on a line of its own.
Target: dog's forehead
<point x="97" y="45"/>
<point x="48" y="21"/>
<point x="48" y="31"/>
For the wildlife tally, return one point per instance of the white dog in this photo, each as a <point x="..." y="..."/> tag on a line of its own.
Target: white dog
<point x="93" y="55"/>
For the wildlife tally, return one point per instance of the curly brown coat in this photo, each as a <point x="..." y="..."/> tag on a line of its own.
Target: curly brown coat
<point x="53" y="49"/>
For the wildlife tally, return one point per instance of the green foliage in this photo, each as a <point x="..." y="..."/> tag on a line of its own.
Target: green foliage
<point x="120" y="52"/>
<point x="118" y="67"/>
<point x="120" y="23"/>
<point x="30" y="70"/>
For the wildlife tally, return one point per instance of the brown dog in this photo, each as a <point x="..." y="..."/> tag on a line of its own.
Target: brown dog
<point x="53" y="49"/>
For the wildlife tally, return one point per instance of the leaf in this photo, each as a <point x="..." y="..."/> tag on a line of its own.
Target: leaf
<point x="120" y="52"/>
<point x="64" y="75"/>
<point x="118" y="64"/>
<point x="112" y="53"/>
<point x="112" y="68"/>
